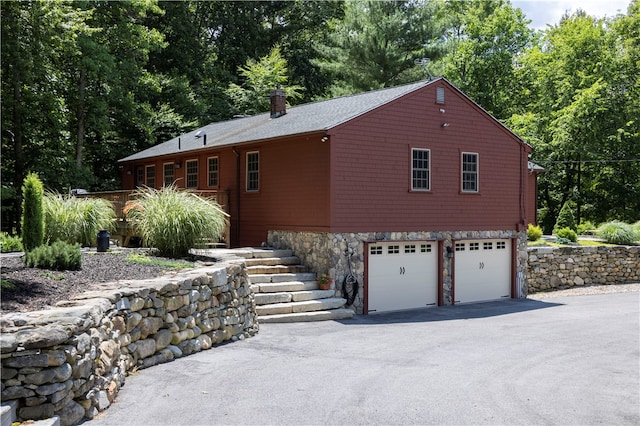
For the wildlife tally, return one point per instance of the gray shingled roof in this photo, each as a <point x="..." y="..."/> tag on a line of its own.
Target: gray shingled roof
<point x="300" y="119"/>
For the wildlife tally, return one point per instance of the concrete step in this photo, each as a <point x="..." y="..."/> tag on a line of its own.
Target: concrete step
<point x="262" y="253"/>
<point x="8" y="412"/>
<point x="273" y="261"/>
<point x="283" y="286"/>
<point x="306" y="306"/>
<point x="275" y="269"/>
<point x="281" y="278"/>
<point x="333" y="314"/>
<point x="292" y="296"/>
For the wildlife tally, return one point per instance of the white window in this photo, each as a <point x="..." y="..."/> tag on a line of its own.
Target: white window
<point x="213" y="171"/>
<point x="487" y="246"/>
<point x="168" y="174"/>
<point x="459" y="246"/>
<point x="139" y="176"/>
<point x="469" y="172"/>
<point x="192" y="173"/>
<point x="440" y="95"/>
<point x="150" y="175"/>
<point x="410" y="248"/>
<point x="375" y="250"/>
<point x="425" y="248"/>
<point x="393" y="249"/>
<point x="253" y="171"/>
<point x="501" y="245"/>
<point x="474" y="246"/>
<point x="420" y="169"/>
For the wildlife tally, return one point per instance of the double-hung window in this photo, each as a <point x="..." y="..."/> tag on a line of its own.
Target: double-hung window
<point x="192" y="173"/>
<point x="150" y="176"/>
<point x="253" y="171"/>
<point x="168" y="174"/>
<point x="213" y="172"/>
<point x="420" y="169"/>
<point x="469" y="172"/>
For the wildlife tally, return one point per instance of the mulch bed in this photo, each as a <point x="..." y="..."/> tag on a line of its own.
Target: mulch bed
<point x="36" y="289"/>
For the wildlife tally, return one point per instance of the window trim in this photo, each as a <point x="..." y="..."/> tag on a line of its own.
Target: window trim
<point x="186" y="173"/>
<point x="164" y="174"/>
<point x="217" y="171"/>
<point x="463" y="171"/>
<point x="146" y="175"/>
<point x="440" y="95"/>
<point x="247" y="171"/>
<point x="412" y="187"/>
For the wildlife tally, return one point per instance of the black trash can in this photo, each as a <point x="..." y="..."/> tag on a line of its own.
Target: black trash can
<point x="103" y="240"/>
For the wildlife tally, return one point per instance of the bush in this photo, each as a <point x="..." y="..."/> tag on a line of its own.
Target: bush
<point x="566" y="219"/>
<point x="32" y="222"/>
<point x="617" y="232"/>
<point x="584" y="227"/>
<point x="59" y="256"/>
<point x="174" y="221"/>
<point x="76" y="220"/>
<point x="534" y="232"/>
<point x="567" y="234"/>
<point x="10" y="244"/>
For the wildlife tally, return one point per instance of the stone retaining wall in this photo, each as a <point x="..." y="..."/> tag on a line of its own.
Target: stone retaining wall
<point x="71" y="361"/>
<point x="325" y="252"/>
<point x="557" y="267"/>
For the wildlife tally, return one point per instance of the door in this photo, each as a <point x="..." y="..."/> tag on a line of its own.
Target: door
<point x="482" y="270"/>
<point x="402" y="275"/>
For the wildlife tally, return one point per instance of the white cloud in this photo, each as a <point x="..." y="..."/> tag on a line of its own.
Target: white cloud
<point x="547" y="12"/>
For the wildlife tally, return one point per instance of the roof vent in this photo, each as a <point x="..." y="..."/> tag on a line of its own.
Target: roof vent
<point x="278" y="102"/>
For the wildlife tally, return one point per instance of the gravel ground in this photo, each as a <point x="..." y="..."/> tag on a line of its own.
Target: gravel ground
<point x="587" y="290"/>
<point x="35" y="289"/>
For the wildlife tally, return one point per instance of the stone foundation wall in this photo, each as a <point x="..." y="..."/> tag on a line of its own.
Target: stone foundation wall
<point x="332" y="252"/>
<point x="556" y="267"/>
<point x="71" y="361"/>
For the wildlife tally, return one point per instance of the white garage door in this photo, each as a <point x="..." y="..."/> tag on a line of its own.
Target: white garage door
<point x="482" y="270"/>
<point x="402" y="275"/>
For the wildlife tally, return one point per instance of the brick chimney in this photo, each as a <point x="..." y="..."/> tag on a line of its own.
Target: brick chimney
<point x="278" y="102"/>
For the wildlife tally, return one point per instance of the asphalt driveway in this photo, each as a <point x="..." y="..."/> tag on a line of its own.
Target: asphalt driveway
<point x="567" y="360"/>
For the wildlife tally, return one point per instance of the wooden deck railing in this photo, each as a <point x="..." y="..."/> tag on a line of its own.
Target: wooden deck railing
<point x="119" y="199"/>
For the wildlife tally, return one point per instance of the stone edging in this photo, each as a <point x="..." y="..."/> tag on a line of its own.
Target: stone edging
<point x="70" y="361"/>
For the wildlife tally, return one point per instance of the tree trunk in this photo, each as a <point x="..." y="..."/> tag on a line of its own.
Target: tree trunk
<point x="18" y="151"/>
<point x="80" y="118"/>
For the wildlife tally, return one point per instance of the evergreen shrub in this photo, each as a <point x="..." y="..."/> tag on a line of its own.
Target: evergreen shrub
<point x="566" y="219"/>
<point x="59" y="256"/>
<point x="567" y="234"/>
<point x="32" y="220"/>
<point x="534" y="233"/>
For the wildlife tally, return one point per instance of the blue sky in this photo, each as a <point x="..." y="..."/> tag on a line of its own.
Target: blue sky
<point x="543" y="12"/>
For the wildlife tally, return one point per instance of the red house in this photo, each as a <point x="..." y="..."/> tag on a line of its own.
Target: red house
<point x="416" y="189"/>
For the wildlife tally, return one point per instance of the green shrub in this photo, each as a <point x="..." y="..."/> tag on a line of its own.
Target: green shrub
<point x="566" y="219"/>
<point x="584" y="227"/>
<point x="534" y="232"/>
<point x="9" y="244"/>
<point x="567" y="234"/>
<point x="173" y="221"/>
<point x="32" y="222"/>
<point x="59" y="256"/>
<point x="617" y="232"/>
<point x="76" y="220"/>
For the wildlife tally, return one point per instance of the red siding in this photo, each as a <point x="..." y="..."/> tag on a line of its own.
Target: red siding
<point x="370" y="176"/>
<point x="532" y="198"/>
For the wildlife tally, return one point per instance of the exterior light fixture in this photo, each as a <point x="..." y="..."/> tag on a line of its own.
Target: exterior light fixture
<point x="445" y="125"/>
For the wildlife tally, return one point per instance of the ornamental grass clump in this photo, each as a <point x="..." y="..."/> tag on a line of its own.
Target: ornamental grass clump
<point x="76" y="220"/>
<point x="174" y="221"/>
<point x="617" y="232"/>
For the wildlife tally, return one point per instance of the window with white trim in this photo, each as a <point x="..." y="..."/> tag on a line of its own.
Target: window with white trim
<point x="139" y="176"/>
<point x="192" y="173"/>
<point x="375" y="250"/>
<point x="440" y="95"/>
<point x="168" y="173"/>
<point x="420" y="169"/>
<point x="213" y="171"/>
<point x="469" y="172"/>
<point x="150" y="176"/>
<point x="253" y="171"/>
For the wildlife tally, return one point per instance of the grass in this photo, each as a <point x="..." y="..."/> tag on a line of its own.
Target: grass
<point x="146" y="260"/>
<point x="6" y="284"/>
<point x="582" y="243"/>
<point x="52" y="276"/>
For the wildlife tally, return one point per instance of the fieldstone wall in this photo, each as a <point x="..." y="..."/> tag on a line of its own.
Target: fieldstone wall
<point x="336" y="253"/>
<point x="558" y="267"/>
<point x="71" y="361"/>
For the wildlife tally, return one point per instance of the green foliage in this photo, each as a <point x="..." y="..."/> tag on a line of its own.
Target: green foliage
<point x="534" y="233"/>
<point x="173" y="221"/>
<point x="617" y="232"/>
<point x="76" y="220"/>
<point x="32" y="220"/>
<point x="567" y="234"/>
<point x="566" y="219"/>
<point x="260" y="79"/>
<point x="59" y="256"/>
<point x="146" y="260"/>
<point x="585" y="227"/>
<point x="10" y="244"/>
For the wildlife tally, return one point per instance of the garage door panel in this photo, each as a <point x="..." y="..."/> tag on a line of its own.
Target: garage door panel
<point x="482" y="270"/>
<point x="402" y="276"/>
